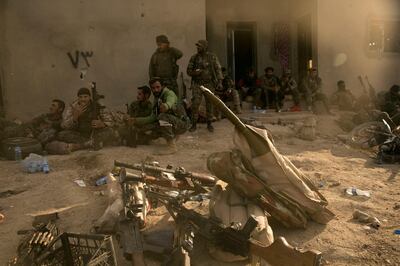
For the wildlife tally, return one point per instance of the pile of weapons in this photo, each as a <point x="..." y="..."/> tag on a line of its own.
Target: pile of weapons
<point x="173" y="188"/>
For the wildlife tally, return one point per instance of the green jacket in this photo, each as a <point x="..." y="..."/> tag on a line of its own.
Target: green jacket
<point x="167" y="97"/>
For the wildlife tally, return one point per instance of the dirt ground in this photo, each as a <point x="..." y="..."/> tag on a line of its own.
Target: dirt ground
<point x="326" y="160"/>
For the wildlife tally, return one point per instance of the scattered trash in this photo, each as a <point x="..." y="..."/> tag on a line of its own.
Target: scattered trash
<point x="352" y="191"/>
<point x="80" y="182"/>
<point x="397" y="232"/>
<point x="363" y="217"/>
<point x="99" y="193"/>
<point x="101" y="181"/>
<point x="1" y="217"/>
<point x="35" y="163"/>
<point x="18" y="153"/>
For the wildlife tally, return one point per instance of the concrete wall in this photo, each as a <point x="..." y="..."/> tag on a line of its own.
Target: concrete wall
<point x="120" y="33"/>
<point x="2" y="53"/>
<point x="263" y="12"/>
<point x="343" y="39"/>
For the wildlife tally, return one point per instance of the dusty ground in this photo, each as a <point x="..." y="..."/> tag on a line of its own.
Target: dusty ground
<point x="343" y="241"/>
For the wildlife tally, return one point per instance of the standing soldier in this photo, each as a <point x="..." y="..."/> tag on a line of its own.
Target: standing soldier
<point x="163" y="63"/>
<point x="205" y="70"/>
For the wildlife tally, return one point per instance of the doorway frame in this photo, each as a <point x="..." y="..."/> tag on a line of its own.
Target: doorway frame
<point x="239" y="25"/>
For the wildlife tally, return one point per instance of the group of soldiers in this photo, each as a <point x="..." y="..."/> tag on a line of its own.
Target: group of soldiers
<point x="87" y="124"/>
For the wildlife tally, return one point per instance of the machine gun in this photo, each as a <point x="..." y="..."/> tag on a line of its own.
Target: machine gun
<point x="180" y="174"/>
<point x="230" y="238"/>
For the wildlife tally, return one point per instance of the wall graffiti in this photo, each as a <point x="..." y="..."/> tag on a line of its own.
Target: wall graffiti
<point x="80" y="54"/>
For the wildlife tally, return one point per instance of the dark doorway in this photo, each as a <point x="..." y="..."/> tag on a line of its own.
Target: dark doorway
<point x="241" y="48"/>
<point x="304" y="45"/>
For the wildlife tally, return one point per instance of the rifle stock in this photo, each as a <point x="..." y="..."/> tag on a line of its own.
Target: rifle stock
<point x="281" y="253"/>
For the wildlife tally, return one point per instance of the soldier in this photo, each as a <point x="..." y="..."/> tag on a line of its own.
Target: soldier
<point x="168" y="118"/>
<point x="43" y="127"/>
<point x="312" y="86"/>
<point x="142" y="107"/>
<point x="343" y="98"/>
<point x="288" y="87"/>
<point x="270" y="86"/>
<point x="228" y="91"/>
<point x="205" y="69"/>
<point x="86" y="124"/>
<point x="163" y="63"/>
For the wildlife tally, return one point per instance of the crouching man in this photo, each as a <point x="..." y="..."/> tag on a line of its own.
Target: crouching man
<point x="85" y="124"/>
<point x="168" y="118"/>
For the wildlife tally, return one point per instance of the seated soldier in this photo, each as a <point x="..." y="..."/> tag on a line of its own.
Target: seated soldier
<point x="270" y="85"/>
<point x="288" y="87"/>
<point x="343" y="98"/>
<point x="390" y="102"/>
<point x="228" y="92"/>
<point x="85" y="125"/>
<point x="312" y="88"/>
<point x="248" y="86"/>
<point x="168" y="118"/>
<point x="142" y="107"/>
<point x="43" y="127"/>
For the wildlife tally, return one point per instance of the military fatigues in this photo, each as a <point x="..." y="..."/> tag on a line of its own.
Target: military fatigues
<point x="163" y="65"/>
<point x="312" y="91"/>
<point x="137" y="134"/>
<point x="344" y="99"/>
<point x="288" y="87"/>
<point x="169" y="124"/>
<point x="209" y="77"/>
<point x="81" y="131"/>
<point x="228" y="92"/>
<point x="270" y="87"/>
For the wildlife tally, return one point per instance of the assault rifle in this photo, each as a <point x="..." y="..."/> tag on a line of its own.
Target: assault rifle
<point x="131" y="140"/>
<point x="96" y="107"/>
<point x="192" y="178"/>
<point x="184" y="89"/>
<point x="231" y="239"/>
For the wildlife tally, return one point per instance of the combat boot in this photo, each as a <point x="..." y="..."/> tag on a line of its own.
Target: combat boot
<point x="193" y="127"/>
<point x="210" y="127"/>
<point x="167" y="150"/>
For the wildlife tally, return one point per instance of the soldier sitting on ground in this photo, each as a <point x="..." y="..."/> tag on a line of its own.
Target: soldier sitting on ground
<point x="142" y="107"/>
<point x="43" y="127"/>
<point x="85" y="124"/>
<point x="312" y="89"/>
<point x="270" y="85"/>
<point x="343" y="98"/>
<point x="228" y="91"/>
<point x="168" y="118"/>
<point x="288" y="87"/>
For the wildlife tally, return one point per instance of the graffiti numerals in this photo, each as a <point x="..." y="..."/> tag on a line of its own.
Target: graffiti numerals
<point x="80" y="54"/>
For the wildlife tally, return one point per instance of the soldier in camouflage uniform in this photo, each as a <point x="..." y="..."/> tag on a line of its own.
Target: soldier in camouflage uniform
<point x="288" y="87"/>
<point x="163" y="63"/>
<point x="85" y="124"/>
<point x="312" y="88"/>
<point x="270" y="85"/>
<point x="168" y="118"/>
<point x="205" y="69"/>
<point x="142" y="107"/>
<point x="43" y="127"/>
<point x="228" y="91"/>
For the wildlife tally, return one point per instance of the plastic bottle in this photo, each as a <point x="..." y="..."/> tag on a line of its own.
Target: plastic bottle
<point x="18" y="153"/>
<point x="45" y="164"/>
<point x="101" y="181"/>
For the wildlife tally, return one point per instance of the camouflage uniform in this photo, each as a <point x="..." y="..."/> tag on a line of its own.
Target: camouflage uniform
<point x="167" y="125"/>
<point x="312" y="91"/>
<point x="137" y="133"/>
<point x="209" y="77"/>
<point x="270" y="86"/>
<point x="344" y="99"/>
<point x="228" y="92"/>
<point x="163" y="65"/>
<point x="288" y="87"/>
<point x="81" y="131"/>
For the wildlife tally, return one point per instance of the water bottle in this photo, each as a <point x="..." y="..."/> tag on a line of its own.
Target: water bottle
<point x="18" y="153"/>
<point x="45" y="164"/>
<point x="101" y="181"/>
